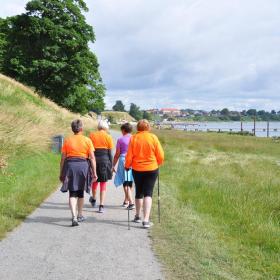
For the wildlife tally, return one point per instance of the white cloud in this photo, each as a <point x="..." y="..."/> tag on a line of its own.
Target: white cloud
<point x="186" y="53"/>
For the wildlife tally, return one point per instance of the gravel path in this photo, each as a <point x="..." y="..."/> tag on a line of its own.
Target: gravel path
<point x="46" y="247"/>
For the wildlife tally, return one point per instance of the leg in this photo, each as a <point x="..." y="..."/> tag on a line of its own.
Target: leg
<point x="147" y="208"/>
<point x="102" y="192"/>
<point x="73" y="206"/>
<point x="125" y="193"/>
<point x="139" y="203"/>
<point x="129" y="194"/>
<point x="80" y="203"/>
<point x="94" y="190"/>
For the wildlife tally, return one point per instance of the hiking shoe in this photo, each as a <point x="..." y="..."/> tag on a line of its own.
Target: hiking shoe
<point x="75" y="222"/>
<point x="81" y="219"/>
<point x="130" y="207"/>
<point x="101" y="209"/>
<point x="125" y="204"/>
<point x="92" y="201"/>
<point x="137" y="220"/>
<point x="147" y="224"/>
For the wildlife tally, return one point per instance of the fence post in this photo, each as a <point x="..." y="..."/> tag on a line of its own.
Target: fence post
<point x="255" y="125"/>
<point x="241" y="126"/>
<point x="267" y="129"/>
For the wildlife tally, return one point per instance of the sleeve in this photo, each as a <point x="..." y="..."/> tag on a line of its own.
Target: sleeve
<point x="159" y="152"/>
<point x="110" y="142"/>
<point x="64" y="148"/>
<point x="129" y="154"/>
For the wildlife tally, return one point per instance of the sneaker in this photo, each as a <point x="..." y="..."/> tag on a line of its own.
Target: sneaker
<point x="81" y="219"/>
<point x="125" y="204"/>
<point x="101" y="209"/>
<point x="137" y="220"/>
<point x="130" y="207"/>
<point x="147" y="224"/>
<point x="92" y="201"/>
<point x="74" y="222"/>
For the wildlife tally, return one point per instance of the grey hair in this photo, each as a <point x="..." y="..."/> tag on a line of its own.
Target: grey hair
<point x="77" y="126"/>
<point x="103" y="125"/>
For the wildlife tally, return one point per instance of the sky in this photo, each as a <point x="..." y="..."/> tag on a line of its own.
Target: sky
<point x="201" y="54"/>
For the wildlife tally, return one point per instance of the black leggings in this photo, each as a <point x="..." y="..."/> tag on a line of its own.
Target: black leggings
<point x="144" y="183"/>
<point x="79" y="194"/>
<point x="127" y="184"/>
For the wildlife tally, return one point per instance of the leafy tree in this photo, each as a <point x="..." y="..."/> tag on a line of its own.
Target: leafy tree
<point x="147" y="116"/>
<point x="225" y="112"/>
<point x="135" y="112"/>
<point x="48" y="49"/>
<point x="251" y="112"/>
<point x="119" y="106"/>
<point x="3" y="42"/>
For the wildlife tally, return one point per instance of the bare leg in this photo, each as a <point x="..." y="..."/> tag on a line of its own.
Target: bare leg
<point x="125" y="194"/>
<point x="139" y="203"/>
<point x="147" y="208"/>
<point x="94" y="191"/>
<point x="80" y="206"/>
<point x="73" y="206"/>
<point x="102" y="197"/>
<point x="129" y="195"/>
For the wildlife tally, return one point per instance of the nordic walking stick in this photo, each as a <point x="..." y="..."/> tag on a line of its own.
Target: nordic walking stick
<point x="128" y="210"/>
<point x="158" y="200"/>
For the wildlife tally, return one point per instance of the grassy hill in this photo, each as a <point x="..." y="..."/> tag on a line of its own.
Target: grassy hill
<point x="28" y="170"/>
<point x="117" y="116"/>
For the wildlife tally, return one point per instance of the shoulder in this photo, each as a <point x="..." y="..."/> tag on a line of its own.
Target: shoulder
<point x="86" y="139"/>
<point x="154" y="137"/>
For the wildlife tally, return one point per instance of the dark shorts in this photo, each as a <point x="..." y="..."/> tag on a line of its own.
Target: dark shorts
<point x="144" y="183"/>
<point x="79" y="194"/>
<point x="127" y="184"/>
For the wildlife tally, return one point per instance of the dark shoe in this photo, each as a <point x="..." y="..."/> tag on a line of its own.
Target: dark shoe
<point x="75" y="222"/>
<point x="130" y="207"/>
<point x="92" y="201"/>
<point x="147" y="224"/>
<point x="101" y="209"/>
<point x="125" y="204"/>
<point x="137" y="220"/>
<point x="81" y="219"/>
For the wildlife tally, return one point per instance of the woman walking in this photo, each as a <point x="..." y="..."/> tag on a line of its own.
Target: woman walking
<point x="103" y="145"/>
<point x="124" y="177"/>
<point x="77" y="169"/>
<point x="144" y="156"/>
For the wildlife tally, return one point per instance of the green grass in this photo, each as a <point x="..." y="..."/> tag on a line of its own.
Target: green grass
<point x="220" y="207"/>
<point x="28" y="180"/>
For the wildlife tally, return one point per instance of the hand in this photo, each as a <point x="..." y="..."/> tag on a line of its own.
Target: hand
<point x="61" y="179"/>
<point x="94" y="177"/>
<point x="113" y="170"/>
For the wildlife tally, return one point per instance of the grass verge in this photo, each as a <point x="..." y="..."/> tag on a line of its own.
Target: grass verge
<point x="220" y="207"/>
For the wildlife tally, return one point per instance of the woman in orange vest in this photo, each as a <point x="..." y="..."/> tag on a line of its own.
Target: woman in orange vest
<point x="76" y="166"/>
<point x="144" y="156"/>
<point x="103" y="145"/>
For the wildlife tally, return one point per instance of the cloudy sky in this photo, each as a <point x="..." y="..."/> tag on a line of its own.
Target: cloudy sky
<point x="186" y="53"/>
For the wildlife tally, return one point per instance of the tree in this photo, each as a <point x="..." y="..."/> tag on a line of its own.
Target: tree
<point x="119" y="106"/>
<point x="3" y="42"/>
<point x="147" y="116"/>
<point x="135" y="112"/>
<point x="225" y="112"/>
<point x="251" y="112"/>
<point x="48" y="49"/>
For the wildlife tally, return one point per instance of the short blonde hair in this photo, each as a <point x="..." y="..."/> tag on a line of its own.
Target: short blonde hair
<point x="143" y="125"/>
<point x="102" y="125"/>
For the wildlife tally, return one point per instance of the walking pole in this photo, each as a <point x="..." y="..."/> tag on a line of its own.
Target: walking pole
<point x="128" y="210"/>
<point x="158" y="200"/>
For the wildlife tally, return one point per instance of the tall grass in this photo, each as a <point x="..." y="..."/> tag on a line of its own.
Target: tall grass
<point x="221" y="207"/>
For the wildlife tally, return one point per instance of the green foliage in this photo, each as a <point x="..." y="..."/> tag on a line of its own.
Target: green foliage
<point x="3" y="42"/>
<point x="119" y="106"/>
<point x="135" y="112"/>
<point x="48" y="49"/>
<point x="147" y="116"/>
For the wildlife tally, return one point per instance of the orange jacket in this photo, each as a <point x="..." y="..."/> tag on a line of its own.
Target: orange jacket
<point x="144" y="152"/>
<point x="101" y="140"/>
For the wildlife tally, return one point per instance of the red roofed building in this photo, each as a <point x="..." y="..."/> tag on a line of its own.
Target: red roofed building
<point x="170" y="112"/>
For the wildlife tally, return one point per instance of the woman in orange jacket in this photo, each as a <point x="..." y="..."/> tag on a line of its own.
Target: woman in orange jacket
<point x="144" y="156"/>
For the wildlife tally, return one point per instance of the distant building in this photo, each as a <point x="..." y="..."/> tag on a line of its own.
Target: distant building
<point x="153" y="111"/>
<point x="172" y="112"/>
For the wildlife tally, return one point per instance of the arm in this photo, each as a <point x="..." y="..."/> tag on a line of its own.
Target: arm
<point x="129" y="155"/>
<point x="159" y="153"/>
<point x="116" y="158"/>
<point x="93" y="166"/>
<point x="63" y="157"/>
